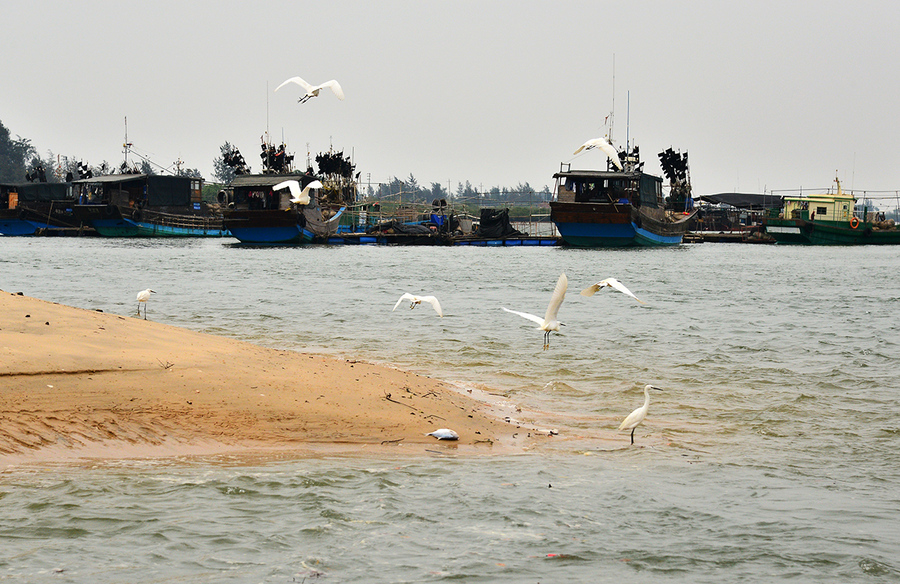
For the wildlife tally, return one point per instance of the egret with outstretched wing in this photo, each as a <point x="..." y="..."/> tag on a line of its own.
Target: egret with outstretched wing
<point x="605" y="146"/>
<point x="610" y="283"/>
<point x="313" y="90"/>
<point x="549" y="322"/>
<point x="298" y="196"/>
<point x="416" y="300"/>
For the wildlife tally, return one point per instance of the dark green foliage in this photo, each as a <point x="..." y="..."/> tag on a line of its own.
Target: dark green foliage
<point x="13" y="156"/>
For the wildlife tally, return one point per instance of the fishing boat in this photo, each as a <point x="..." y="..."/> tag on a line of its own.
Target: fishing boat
<point x="146" y="205"/>
<point x="257" y="213"/>
<point x="623" y="205"/>
<point x="829" y="218"/>
<point x="36" y="208"/>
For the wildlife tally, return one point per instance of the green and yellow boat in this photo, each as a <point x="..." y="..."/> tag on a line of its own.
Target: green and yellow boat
<point x="828" y="219"/>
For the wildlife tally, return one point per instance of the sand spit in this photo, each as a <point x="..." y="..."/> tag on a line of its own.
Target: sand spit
<point x="78" y="383"/>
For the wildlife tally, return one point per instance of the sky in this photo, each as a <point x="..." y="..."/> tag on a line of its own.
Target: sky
<point x="764" y="96"/>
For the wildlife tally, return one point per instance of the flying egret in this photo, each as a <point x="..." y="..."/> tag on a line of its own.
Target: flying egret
<point x="299" y="197"/>
<point x="313" y="90"/>
<point x="444" y="434"/>
<point x="637" y="416"/>
<point x="144" y="296"/>
<point x="603" y="145"/>
<point x="610" y="283"/>
<point x="549" y="322"/>
<point x="416" y="300"/>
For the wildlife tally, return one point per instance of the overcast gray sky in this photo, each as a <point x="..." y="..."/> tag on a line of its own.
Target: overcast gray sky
<point x="763" y="95"/>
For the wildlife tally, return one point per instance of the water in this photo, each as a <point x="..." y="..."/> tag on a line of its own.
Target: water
<point x="772" y="455"/>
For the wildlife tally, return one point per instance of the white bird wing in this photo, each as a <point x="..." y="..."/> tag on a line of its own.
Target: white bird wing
<point x="603" y="145"/>
<point x="433" y="302"/>
<point x="406" y="296"/>
<point x="299" y="82"/>
<point x="633" y="419"/>
<point x="303" y="198"/>
<point x="559" y="293"/>
<point x="610" y="283"/>
<point x="613" y="283"/>
<point x="335" y="88"/>
<point x="293" y="185"/>
<point x="591" y="290"/>
<point x="530" y="317"/>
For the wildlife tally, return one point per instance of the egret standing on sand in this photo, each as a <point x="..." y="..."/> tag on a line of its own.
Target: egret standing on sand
<point x="144" y="296"/>
<point x="313" y="90"/>
<point x="416" y="300"/>
<point x="609" y="283"/>
<point x="549" y="322"/>
<point x="635" y="418"/>
<point x="605" y="146"/>
<point x="299" y="197"/>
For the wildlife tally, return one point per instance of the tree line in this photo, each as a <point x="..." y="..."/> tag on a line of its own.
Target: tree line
<point x="20" y="161"/>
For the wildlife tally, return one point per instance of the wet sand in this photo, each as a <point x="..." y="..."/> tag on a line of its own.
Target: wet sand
<point x="78" y="383"/>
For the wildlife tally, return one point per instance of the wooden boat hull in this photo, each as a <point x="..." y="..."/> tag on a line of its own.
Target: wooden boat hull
<point x="616" y="225"/>
<point x="266" y="227"/>
<point x="11" y="224"/>
<point x="108" y="221"/>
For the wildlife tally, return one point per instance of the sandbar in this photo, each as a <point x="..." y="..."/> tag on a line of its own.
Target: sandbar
<point x="77" y="383"/>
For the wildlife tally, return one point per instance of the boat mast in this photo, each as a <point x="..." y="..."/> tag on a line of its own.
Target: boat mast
<point x="612" y="114"/>
<point x="127" y="144"/>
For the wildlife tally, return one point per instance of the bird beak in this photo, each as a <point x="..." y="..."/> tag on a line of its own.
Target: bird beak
<point x="657" y="388"/>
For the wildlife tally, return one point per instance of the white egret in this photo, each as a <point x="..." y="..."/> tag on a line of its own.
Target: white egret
<point x="313" y="90"/>
<point x="637" y="416"/>
<point x="444" y="434"/>
<point x="549" y="322"/>
<point x="144" y="296"/>
<point x="298" y="196"/>
<point x="603" y="145"/>
<point x="610" y="283"/>
<point x="416" y="300"/>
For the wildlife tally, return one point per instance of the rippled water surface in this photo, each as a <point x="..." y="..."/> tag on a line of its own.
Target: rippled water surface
<point x="772" y="454"/>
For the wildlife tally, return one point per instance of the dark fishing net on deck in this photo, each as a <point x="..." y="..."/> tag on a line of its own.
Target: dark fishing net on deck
<point x="495" y="223"/>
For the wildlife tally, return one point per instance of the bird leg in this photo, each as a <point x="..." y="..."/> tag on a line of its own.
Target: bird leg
<point x="546" y="340"/>
<point x="632" y="434"/>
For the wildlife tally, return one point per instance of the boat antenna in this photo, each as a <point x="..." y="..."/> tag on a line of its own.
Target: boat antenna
<point x="612" y="114"/>
<point x="127" y="144"/>
<point x="627" y="120"/>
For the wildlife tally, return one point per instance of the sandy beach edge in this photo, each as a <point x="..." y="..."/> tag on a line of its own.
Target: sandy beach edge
<point x="78" y="383"/>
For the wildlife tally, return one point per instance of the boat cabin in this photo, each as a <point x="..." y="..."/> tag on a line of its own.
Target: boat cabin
<point x="820" y="207"/>
<point x="15" y="195"/>
<point x="253" y="192"/>
<point x="626" y="188"/>
<point x="140" y="191"/>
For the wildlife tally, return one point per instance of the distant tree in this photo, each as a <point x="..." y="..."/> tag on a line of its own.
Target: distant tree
<point x="223" y="172"/>
<point x="465" y="192"/>
<point x="146" y="167"/>
<point x="438" y="191"/>
<point x="13" y="156"/>
<point x="191" y="172"/>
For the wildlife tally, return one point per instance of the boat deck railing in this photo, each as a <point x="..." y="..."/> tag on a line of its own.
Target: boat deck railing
<point x="182" y="221"/>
